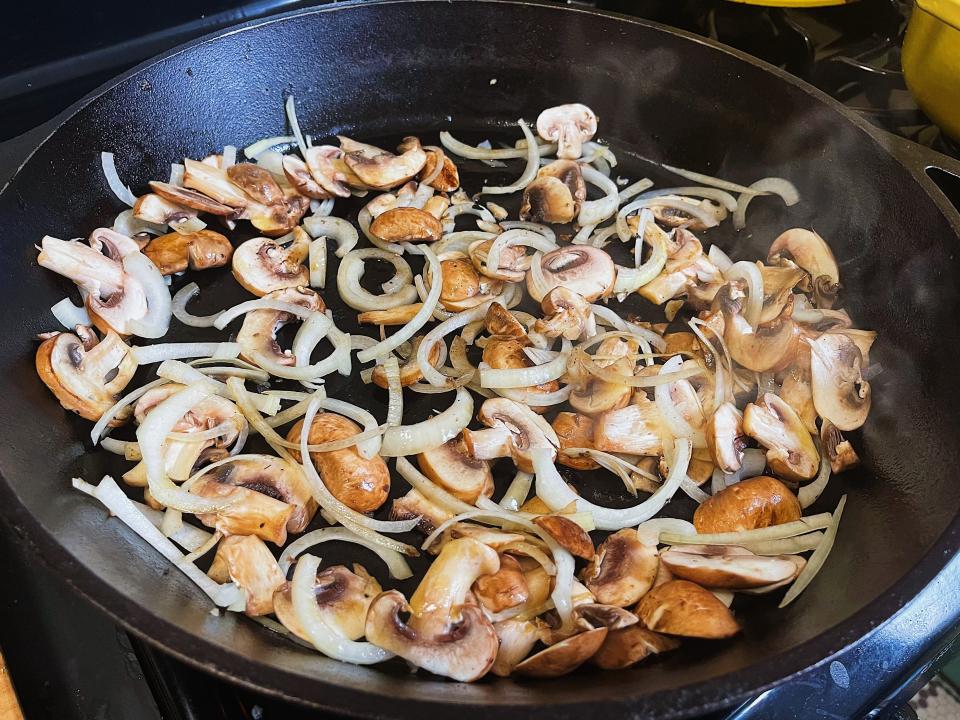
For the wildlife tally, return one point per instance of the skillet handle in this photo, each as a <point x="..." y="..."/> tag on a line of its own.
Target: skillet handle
<point x="918" y="159"/>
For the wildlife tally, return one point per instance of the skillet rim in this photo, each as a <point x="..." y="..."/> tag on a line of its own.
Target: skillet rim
<point x="703" y="696"/>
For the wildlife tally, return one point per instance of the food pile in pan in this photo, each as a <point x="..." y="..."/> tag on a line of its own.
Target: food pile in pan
<point x="739" y="399"/>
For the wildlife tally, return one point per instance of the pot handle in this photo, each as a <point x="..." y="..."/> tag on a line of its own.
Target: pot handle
<point x="918" y="159"/>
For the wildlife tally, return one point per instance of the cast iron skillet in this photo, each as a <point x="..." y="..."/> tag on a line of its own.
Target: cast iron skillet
<point x="377" y="69"/>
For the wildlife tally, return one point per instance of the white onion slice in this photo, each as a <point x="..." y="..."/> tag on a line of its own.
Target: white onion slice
<point x="337" y="229"/>
<point x="291" y="109"/>
<point x="607" y="316"/>
<point x="539" y="228"/>
<point x="189" y="537"/>
<point x="635" y="189"/>
<point x="594" y="212"/>
<point x="317" y="262"/>
<point x="148" y="354"/>
<point x="316" y="327"/>
<point x="253" y="150"/>
<point x="517" y="492"/>
<point x="395" y="562"/>
<point x="227" y="316"/>
<point x="632" y="279"/>
<point x="367" y="448"/>
<point x="431" y="433"/>
<point x="157" y="320"/>
<point x="536" y="399"/>
<point x="526" y="377"/>
<point x="819" y="557"/>
<point x="719" y="258"/>
<point x="179" y="372"/>
<point x="749" y="273"/>
<point x="649" y="532"/>
<point x="809" y="493"/>
<point x="109" y="493"/>
<point x="69" y="315"/>
<point x="513" y="238"/>
<point x="786" y="546"/>
<point x="126" y="223"/>
<point x="480" y="153"/>
<point x="430" y="373"/>
<point x="228" y="157"/>
<point x="773" y="532"/>
<point x="692" y="491"/>
<point x="400" y="291"/>
<point x="179" y="307"/>
<point x="530" y="171"/>
<point x="328" y="640"/>
<point x="712" y="181"/>
<point x="127" y="399"/>
<point x="552" y="489"/>
<point x="188" y="225"/>
<point x="391" y="368"/>
<point x="712" y="193"/>
<point x="177" y="171"/>
<point x="778" y="186"/>
<point x="674" y="420"/>
<point x="583" y="235"/>
<point x="706" y="217"/>
<point x="123" y="193"/>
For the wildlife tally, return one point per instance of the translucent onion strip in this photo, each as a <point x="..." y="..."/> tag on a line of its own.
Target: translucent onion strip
<point x="594" y="212"/>
<point x="185" y="295"/>
<point x="778" y="186"/>
<point x="819" y="557"/>
<point x="123" y="193"/>
<point x="391" y="368"/>
<point x="809" y="493"/>
<point x="785" y="546"/>
<point x="69" y="315"/>
<point x="397" y="291"/>
<point x="260" y="146"/>
<point x="430" y="373"/>
<point x="395" y="562"/>
<point x="720" y="196"/>
<point x="517" y="492"/>
<point x="478" y="153"/>
<point x="528" y="376"/>
<point x="513" y="238"/>
<point x="773" y="532"/>
<point x="608" y="316"/>
<point x="431" y="433"/>
<point x="529" y="173"/>
<point x="123" y="402"/>
<point x="148" y="354"/>
<point x="750" y="274"/>
<point x="712" y="181"/>
<point x="179" y="372"/>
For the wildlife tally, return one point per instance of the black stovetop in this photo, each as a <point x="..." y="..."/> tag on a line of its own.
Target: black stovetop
<point x="69" y="662"/>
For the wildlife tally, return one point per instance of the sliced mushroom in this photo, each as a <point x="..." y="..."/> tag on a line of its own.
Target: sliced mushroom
<point x="153" y="208"/>
<point x="517" y="638"/>
<point x="450" y="466"/>
<point x="568" y="535"/>
<point x="114" y="245"/>
<point x="244" y="511"/>
<point x="501" y="323"/>
<point x="555" y="195"/>
<point x="261" y="265"/>
<point x="181" y="196"/>
<point x="175" y="252"/>
<point x="839" y="451"/>
<point x="406" y="224"/>
<point x="410" y="372"/>
<point x="414" y="505"/>
<point x="86" y="381"/>
<point x="447" y="179"/>
<point x="343" y="598"/>
<point x="797" y="391"/>
<point x="505" y="346"/>
<point x="727" y="570"/>
<point x="725" y="437"/>
<point x="791" y="453"/>
<point x="566" y="313"/>
<point x="799" y="563"/>
<point x="771" y="346"/>
<point x="506" y="588"/>
<point x="569" y="126"/>
<point x="778" y="285"/>
<point x="676" y="217"/>
<point x="256" y="182"/>
<point x="574" y="431"/>
<point x="634" y="429"/>
<point x="585" y="270"/>
<point x="594" y="615"/>
<point x="563" y="657"/>
<point x="623" y="570"/>
<point x="592" y="396"/>
<point x="680" y="607"/>
<point x="809" y="251"/>
<point x="298" y="174"/>
<point x="258" y="334"/>
<point x="444" y="634"/>
<point x="513" y="264"/>
<point x="380" y="169"/>
<point x="688" y="271"/>
<point x="499" y="540"/>
<point x="840" y="393"/>
<point x="514" y="430"/>
<point x="464" y="287"/>
<point x="248" y="562"/>
<point x="400" y="315"/>
<point x="747" y="505"/>
<point x="626" y="647"/>
<point x="358" y="482"/>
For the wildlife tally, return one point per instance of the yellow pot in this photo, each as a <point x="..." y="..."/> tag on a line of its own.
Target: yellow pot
<point x="931" y="61"/>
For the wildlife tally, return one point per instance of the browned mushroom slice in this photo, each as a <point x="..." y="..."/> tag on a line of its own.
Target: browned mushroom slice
<point x="594" y="615"/>
<point x="569" y="126"/>
<point x="771" y="346"/>
<point x="248" y="562"/>
<point x="626" y="647"/>
<point x="381" y="169"/>
<point x="190" y="198"/>
<point x="840" y="393"/>
<point x="463" y="287"/>
<point x="778" y="285"/>
<point x="796" y="388"/>
<point x="500" y="322"/>
<point x="505" y="347"/>
<point x="153" y="208"/>
<point x="87" y="382"/>
<point x="687" y="271"/>
<point x="809" y="251"/>
<point x="623" y="570"/>
<point x="277" y="220"/>
<point x="400" y="315"/>
<point x="591" y="395"/>
<point x="513" y="264"/>
<point x="499" y="540"/>
<point x="565" y="313"/>
<point x="517" y="638"/>
<point x="587" y="271"/>
<point x="680" y="607"/>
<point x="299" y="176"/>
<point x="564" y="657"/>
<point x="245" y="511"/>
<point x="406" y="224"/>
<point x="574" y="431"/>
<point x="214" y="183"/>
<point x="258" y="334"/>
<point x="551" y="197"/>
<point x="725" y="437"/>
<point x="791" y="453"/>
<point x="568" y="534"/>
<point x="450" y="466"/>
<point x="262" y="266"/>
<point x="506" y="588"/>
<point x="514" y="430"/>
<point x="839" y="451"/>
<point x="727" y="570"/>
<point x="414" y="505"/>
<point x="747" y="505"/>
<point x="343" y="598"/>
<point x="358" y="482"/>
<point x="798" y="562"/>
<point x="443" y="634"/>
<point x="175" y="252"/>
<point x="447" y="179"/>
<point x="634" y="429"/>
<point x="410" y="372"/>
<point x="259" y="184"/>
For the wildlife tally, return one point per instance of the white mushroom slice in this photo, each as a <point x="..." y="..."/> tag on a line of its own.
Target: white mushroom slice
<point x="623" y="570"/>
<point x="248" y="562"/>
<point x="450" y="466"/>
<point x="192" y="199"/>
<point x="244" y="511"/>
<point x="298" y="174"/>
<point x="555" y="196"/>
<point x="791" y="453"/>
<point x="587" y="271"/>
<point x="725" y="437"/>
<point x="796" y="388"/>
<point x="414" y="505"/>
<point x="258" y="334"/>
<point x="381" y="169"/>
<point x="214" y="183"/>
<point x="569" y="126"/>
<point x="262" y="266"/>
<point x="771" y="346"/>
<point x="514" y="430"/>
<point x="343" y="599"/>
<point x="566" y="314"/>
<point x="517" y="638"/>
<point x="150" y="207"/>
<point x="840" y="393"/>
<point x="512" y="265"/>
<point x="727" y="571"/>
<point x="258" y="184"/>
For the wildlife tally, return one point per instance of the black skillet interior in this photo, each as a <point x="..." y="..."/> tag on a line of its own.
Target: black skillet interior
<point x="378" y="70"/>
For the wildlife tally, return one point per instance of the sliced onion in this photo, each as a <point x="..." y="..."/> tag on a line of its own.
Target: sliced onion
<point x="328" y="640"/>
<point x="391" y="368"/>
<point x="123" y="402"/>
<point x="712" y="181"/>
<point x="773" y="532"/>
<point x="188" y="537"/>
<point x="460" y="241"/>
<point x="148" y="354"/>
<point x="128" y="449"/>
<point x="430" y="373"/>
<point x="423" y="315"/>
<point x="537" y="399"/>
<point x="517" y="492"/>
<point x="317" y="327"/>
<point x="539" y="228"/>
<point x="649" y="532"/>
<point x="481" y="153"/>
<point x="786" y="546"/>
<point x="778" y="186"/>
<point x="692" y="491"/>
<point x="179" y="372"/>
<point x="123" y="193"/>
<point x="819" y="557"/>
<point x="228" y="157"/>
<point x="367" y="448"/>
<point x="109" y="493"/>
<point x="401" y="290"/>
<point x="69" y="315"/>
<point x="253" y="150"/>
<point x="594" y="212"/>
<point x="317" y="262"/>
<point x="529" y="173"/>
<point x="291" y="109"/>
<point x="557" y="495"/>
<point x="674" y="420"/>
<point x="157" y="320"/>
<point x="749" y="273"/>
<point x="431" y="433"/>
<point x="227" y="316"/>
<point x="632" y="380"/>
<point x="583" y="235"/>
<point x="608" y="317"/>
<point x="712" y="193"/>
<point x="752" y="464"/>
<point x="185" y="295"/>
<point x="177" y="171"/>
<point x="395" y="562"/>
<point x="526" y="377"/>
<point x="632" y="279"/>
<point x="809" y="493"/>
<point x="337" y="229"/>
<point x="188" y="225"/>
<point x="126" y="223"/>
<point x="635" y="189"/>
<point x="719" y="258"/>
<point x="513" y="238"/>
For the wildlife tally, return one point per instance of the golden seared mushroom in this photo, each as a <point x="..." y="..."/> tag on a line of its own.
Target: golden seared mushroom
<point x="634" y="429"/>
<point x="568" y="535"/>
<point x="257" y="183"/>
<point x="464" y="287"/>
<point x="343" y="598"/>
<point x="400" y="315"/>
<point x="514" y="430"/>
<point x="86" y="377"/>
<point x="628" y="646"/>
<point x="778" y="285"/>
<point x="185" y="197"/>
<point x="840" y="393"/>
<point x="592" y="395"/>
<point x="153" y="208"/>
<point x="414" y="505"/>
<point x="623" y="570"/>
<point x="246" y="510"/>
<point x="298" y="174"/>
<point x="505" y="346"/>
<point x="262" y="266"/>
<point x="725" y="437"/>
<point x="214" y="182"/>
<point x="796" y="388"/>
<point x="506" y="588"/>
<point x="327" y="166"/>
<point x="585" y="270"/>
<point x="574" y="431"/>
<point x="726" y="568"/>
<point x="565" y="313"/>
<point x="687" y="271"/>
<point x="176" y="252"/>
<point x="410" y="372"/>
<point x="248" y="562"/>
<point x="771" y="346"/>
<point x="680" y="607"/>
<point x="444" y="179"/>
<point x="563" y="657"/>
<point x="839" y="451"/>
<point x="517" y="638"/>
<point x="569" y="126"/>
<point x="258" y="334"/>
<point x="450" y="466"/>
<point x="380" y="169"/>
<point x="406" y="224"/>
<point x="444" y="633"/>
<point x="360" y="483"/>
<point x="513" y="264"/>
<point x="811" y="253"/>
<point x="791" y="453"/>
<point x="555" y="195"/>
<point x="747" y="505"/>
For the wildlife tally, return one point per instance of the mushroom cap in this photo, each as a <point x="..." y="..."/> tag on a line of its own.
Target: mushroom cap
<point x="192" y="199"/>
<point x="517" y="638"/>
<point x="840" y="394"/>
<point x="569" y="126"/>
<point x="574" y="430"/>
<point x="258" y="334"/>
<point x="623" y="570"/>
<point x="525" y="430"/>
<point x="153" y="208"/>
<point x="747" y="505"/>
<point x="587" y="271"/>
<point x="778" y="285"/>
<point x="343" y="597"/>
<point x="563" y="657"/>
<point x="772" y="346"/>
<point x="262" y="266"/>
<point x="680" y="607"/>
<point x="570" y="174"/>
<point x="358" y="482"/>
<point x="328" y="169"/>
<point x="506" y="588"/>
<point x="566" y="313"/>
<point x="248" y="562"/>
<point x="808" y="250"/>
<point x="463" y="287"/>
<point x="256" y="182"/>
<point x="450" y="466"/>
<point x="406" y="224"/>
<point x="628" y="646"/>
<point x="725" y="437"/>
<point x="380" y="169"/>
<point x="448" y="178"/>
<point x="727" y="570"/>
<point x="547" y="199"/>
<point x="175" y="252"/>
<point x="791" y="452"/>
<point x="87" y="382"/>
<point x="501" y="322"/>
<point x="410" y="372"/>
<point x="568" y="535"/>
